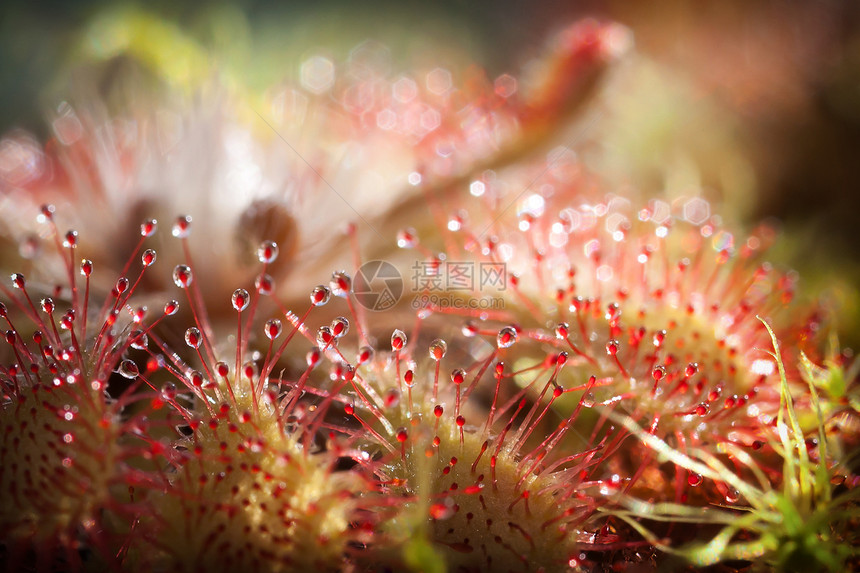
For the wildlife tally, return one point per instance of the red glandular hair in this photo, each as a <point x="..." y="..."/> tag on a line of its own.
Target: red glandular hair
<point x="660" y="305"/>
<point x="69" y="437"/>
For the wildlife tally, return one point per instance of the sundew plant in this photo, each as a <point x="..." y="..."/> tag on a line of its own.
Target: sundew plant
<point x="394" y="314"/>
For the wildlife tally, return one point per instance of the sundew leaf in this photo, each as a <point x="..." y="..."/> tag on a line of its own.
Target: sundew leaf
<point x="831" y="379"/>
<point x="719" y="548"/>
<point x="802" y="461"/>
<point x="822" y="479"/>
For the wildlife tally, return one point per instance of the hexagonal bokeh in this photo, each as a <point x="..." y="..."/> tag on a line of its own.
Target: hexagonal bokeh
<point x="439" y="81"/>
<point x="430" y="119"/>
<point x="404" y="89"/>
<point x="317" y="74"/>
<point x="505" y="85"/>
<point x="697" y="210"/>
<point x="386" y="119"/>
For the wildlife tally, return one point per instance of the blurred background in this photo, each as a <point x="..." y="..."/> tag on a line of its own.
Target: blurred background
<point x="754" y="104"/>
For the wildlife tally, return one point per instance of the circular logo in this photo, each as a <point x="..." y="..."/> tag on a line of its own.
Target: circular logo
<point x="377" y="285"/>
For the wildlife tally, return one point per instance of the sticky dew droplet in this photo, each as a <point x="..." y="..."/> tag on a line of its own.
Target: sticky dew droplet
<point x="171" y="307"/>
<point x="507" y="337"/>
<point x="320" y="295"/>
<point x="148" y="257"/>
<point x="273" y="328"/>
<point x="148" y="227"/>
<point x="438" y="349"/>
<point x="193" y="337"/>
<point x="128" y="369"/>
<point x="264" y="284"/>
<point x="240" y="299"/>
<point x="407" y="238"/>
<point x="182" y="276"/>
<point x="182" y="227"/>
<point x="340" y="283"/>
<point x="267" y="252"/>
<point x="325" y="337"/>
<point x="339" y="327"/>
<point x="398" y="340"/>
